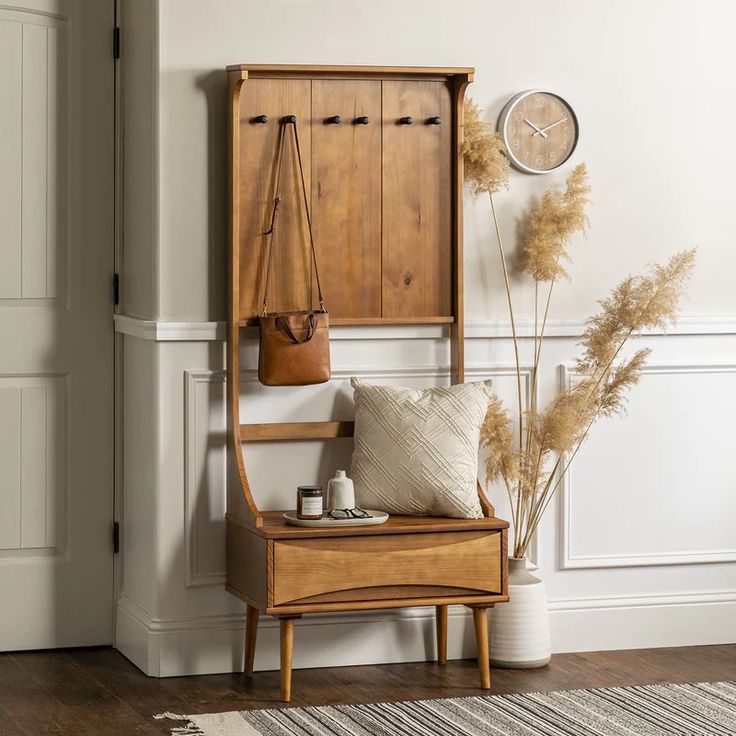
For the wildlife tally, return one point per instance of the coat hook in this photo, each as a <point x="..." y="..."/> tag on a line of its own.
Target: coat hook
<point x="335" y="120"/>
<point x="406" y="121"/>
<point x="363" y="120"/>
<point x="260" y="119"/>
<point x="289" y="119"/>
<point x="434" y="121"/>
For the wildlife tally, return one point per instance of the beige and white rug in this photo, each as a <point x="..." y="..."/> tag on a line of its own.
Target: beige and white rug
<point x="703" y="709"/>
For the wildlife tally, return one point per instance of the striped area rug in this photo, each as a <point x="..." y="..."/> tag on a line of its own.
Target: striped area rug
<point x="704" y="709"/>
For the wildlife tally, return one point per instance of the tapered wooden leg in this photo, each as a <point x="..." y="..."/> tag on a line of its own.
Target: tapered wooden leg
<point x="251" y="632"/>
<point x="480" y="620"/>
<point x="441" y="623"/>
<point x="287" y="647"/>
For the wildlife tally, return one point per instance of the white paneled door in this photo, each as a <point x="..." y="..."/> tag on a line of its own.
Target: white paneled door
<point x="56" y="339"/>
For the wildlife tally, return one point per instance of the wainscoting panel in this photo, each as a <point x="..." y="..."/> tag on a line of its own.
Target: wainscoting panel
<point x="639" y="556"/>
<point x="205" y="432"/>
<point x="205" y="467"/>
<point x="652" y="488"/>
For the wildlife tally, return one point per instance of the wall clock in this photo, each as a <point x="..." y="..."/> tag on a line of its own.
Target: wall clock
<point x="539" y="130"/>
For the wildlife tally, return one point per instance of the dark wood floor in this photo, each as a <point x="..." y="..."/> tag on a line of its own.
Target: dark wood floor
<point x="98" y="692"/>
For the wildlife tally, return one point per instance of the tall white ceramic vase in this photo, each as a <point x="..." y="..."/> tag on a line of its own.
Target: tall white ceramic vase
<point x="520" y="635"/>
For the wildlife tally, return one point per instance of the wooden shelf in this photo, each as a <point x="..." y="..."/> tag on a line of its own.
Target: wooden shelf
<point x="371" y="321"/>
<point x="422" y="72"/>
<point x="274" y="526"/>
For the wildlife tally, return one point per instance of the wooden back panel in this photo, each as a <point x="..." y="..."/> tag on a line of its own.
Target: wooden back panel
<point x="381" y="195"/>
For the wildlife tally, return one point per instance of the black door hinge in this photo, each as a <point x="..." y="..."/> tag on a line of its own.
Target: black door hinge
<point x="116" y="42"/>
<point x="115" y="537"/>
<point x="116" y="289"/>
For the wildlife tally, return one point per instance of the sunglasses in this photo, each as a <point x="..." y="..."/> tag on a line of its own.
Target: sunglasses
<point x="355" y="513"/>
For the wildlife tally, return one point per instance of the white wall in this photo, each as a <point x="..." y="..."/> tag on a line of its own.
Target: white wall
<point x="636" y="552"/>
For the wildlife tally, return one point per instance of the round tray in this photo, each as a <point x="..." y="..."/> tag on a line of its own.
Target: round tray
<point x="377" y="517"/>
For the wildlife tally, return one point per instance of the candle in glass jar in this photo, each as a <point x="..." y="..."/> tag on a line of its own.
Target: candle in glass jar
<point x="309" y="502"/>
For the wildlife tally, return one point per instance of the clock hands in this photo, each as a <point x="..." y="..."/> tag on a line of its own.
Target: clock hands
<point x="538" y="129"/>
<point x="542" y="131"/>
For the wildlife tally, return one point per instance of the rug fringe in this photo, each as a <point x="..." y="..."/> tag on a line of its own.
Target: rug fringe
<point x="188" y="729"/>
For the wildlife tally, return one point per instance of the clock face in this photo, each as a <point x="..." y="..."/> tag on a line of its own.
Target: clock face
<point x="539" y="130"/>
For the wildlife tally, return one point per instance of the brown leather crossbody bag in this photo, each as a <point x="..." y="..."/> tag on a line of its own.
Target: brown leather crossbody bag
<point x="294" y="346"/>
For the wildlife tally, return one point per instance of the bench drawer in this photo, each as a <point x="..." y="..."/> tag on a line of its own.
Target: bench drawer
<point x="381" y="567"/>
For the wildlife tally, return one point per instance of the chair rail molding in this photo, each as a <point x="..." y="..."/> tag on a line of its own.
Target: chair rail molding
<point x="195" y="331"/>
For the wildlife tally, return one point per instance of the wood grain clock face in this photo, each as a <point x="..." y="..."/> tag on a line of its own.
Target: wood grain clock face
<point x="539" y="130"/>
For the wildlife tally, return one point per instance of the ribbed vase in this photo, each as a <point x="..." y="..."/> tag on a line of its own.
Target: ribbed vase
<point x="520" y="637"/>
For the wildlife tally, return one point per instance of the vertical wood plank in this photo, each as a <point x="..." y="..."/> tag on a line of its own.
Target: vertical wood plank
<point x="417" y="200"/>
<point x="10" y="463"/>
<point x="346" y="195"/>
<point x="35" y="150"/>
<point x="10" y="158"/>
<point x="291" y="268"/>
<point x="33" y="467"/>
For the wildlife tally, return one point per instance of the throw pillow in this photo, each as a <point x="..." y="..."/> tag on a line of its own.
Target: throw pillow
<point x="416" y="452"/>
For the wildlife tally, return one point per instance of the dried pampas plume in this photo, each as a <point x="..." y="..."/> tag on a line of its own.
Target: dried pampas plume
<point x="496" y="435"/>
<point x="486" y="165"/>
<point x="555" y="218"/>
<point x="637" y="303"/>
<point x="532" y="455"/>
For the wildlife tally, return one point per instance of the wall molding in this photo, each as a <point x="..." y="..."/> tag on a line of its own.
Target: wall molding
<point x="192" y="331"/>
<point x="570" y="561"/>
<point x="167" y="331"/>
<point x="193" y="431"/>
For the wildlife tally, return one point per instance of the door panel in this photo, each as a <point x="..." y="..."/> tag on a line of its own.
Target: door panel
<point x="56" y="380"/>
<point x="346" y="195"/>
<point x="417" y="200"/>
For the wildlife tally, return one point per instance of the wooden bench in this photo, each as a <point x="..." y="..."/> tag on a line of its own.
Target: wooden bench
<point x="386" y="203"/>
<point x="287" y="571"/>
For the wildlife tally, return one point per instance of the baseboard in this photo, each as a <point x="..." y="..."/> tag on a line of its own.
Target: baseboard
<point x="595" y="624"/>
<point x="214" y="644"/>
<point x="133" y="636"/>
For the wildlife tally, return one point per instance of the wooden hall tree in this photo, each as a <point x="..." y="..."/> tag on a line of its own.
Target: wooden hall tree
<point x="381" y="151"/>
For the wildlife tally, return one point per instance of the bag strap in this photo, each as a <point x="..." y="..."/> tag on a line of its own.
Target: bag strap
<point x="282" y="325"/>
<point x="289" y="121"/>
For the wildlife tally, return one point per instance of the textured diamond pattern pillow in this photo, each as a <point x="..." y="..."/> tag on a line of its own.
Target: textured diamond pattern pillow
<point x="416" y="452"/>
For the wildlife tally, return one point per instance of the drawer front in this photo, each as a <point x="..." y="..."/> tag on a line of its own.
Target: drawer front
<point x="382" y="567"/>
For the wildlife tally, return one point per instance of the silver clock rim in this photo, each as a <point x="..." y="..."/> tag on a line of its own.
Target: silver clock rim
<point x="503" y="119"/>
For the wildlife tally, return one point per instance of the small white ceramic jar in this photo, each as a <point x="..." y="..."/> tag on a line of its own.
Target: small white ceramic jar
<point x="340" y="492"/>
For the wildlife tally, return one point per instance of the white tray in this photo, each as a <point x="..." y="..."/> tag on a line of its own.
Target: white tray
<point x="377" y="517"/>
